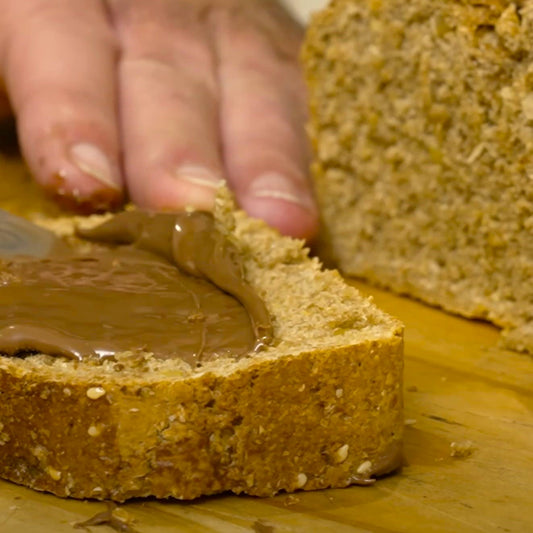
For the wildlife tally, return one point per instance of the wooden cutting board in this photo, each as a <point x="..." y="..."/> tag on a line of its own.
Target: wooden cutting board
<point x="469" y="445"/>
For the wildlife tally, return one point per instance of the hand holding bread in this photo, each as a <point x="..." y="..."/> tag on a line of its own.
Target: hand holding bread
<point x="159" y="101"/>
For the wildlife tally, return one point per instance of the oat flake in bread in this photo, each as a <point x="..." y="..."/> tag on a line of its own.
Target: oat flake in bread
<point x="422" y="124"/>
<point x="320" y="406"/>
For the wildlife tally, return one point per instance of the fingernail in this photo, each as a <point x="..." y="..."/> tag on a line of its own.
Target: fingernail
<point x="91" y="160"/>
<point x="198" y="175"/>
<point x="277" y="187"/>
<point x="201" y="184"/>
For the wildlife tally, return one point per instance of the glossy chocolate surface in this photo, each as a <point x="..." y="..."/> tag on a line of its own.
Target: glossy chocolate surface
<point x="169" y="284"/>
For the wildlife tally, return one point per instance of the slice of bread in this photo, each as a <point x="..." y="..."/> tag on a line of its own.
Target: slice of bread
<point x="320" y="407"/>
<point x="422" y="123"/>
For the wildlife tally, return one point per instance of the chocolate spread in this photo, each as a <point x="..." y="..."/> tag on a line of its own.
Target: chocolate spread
<point x="168" y="284"/>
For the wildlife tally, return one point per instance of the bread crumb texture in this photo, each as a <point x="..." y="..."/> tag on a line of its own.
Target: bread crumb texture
<point x="422" y="126"/>
<point x="303" y="414"/>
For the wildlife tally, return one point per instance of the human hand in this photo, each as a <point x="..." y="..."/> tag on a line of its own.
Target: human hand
<point x="161" y="99"/>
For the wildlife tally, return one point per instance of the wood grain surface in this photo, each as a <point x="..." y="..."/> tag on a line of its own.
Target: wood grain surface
<point x="469" y="445"/>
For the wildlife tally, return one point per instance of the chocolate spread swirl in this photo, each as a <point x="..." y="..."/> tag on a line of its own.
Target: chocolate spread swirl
<point x="169" y="284"/>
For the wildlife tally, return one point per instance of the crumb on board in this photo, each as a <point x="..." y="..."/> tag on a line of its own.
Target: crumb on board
<point x="291" y="499"/>
<point x="462" y="449"/>
<point x="115" y="517"/>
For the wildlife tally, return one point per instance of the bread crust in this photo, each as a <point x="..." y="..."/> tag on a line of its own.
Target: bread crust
<point x="319" y="419"/>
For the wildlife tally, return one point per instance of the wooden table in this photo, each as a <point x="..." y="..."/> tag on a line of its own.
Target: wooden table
<point x="469" y="445"/>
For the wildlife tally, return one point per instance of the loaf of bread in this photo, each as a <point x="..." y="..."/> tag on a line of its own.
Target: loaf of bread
<point x="422" y="125"/>
<point x="320" y="406"/>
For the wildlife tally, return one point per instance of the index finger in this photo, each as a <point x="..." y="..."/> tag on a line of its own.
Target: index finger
<point x="57" y="58"/>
